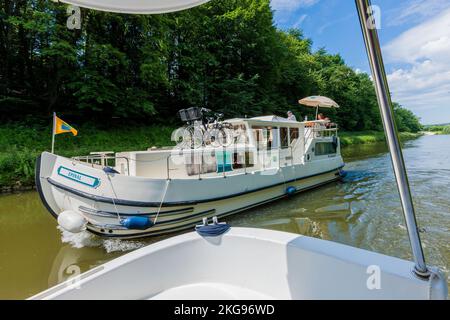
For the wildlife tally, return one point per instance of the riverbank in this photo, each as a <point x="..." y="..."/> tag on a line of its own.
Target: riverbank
<point x="20" y="145"/>
<point x="437" y="130"/>
<point x="368" y="137"/>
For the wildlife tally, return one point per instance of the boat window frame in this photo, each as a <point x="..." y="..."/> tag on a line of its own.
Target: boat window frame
<point x="267" y="129"/>
<point x="284" y="144"/>
<point x="291" y="139"/>
<point x="318" y="152"/>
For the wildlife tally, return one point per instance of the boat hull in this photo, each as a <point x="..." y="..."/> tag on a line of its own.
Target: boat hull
<point x="173" y="205"/>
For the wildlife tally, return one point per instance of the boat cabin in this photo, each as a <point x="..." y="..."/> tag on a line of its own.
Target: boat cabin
<point x="259" y="144"/>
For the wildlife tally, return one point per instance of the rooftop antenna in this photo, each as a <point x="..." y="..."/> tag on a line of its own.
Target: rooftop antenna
<point x="369" y="30"/>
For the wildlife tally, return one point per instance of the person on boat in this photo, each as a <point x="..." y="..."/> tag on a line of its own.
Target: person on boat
<point x="327" y="121"/>
<point x="291" y="116"/>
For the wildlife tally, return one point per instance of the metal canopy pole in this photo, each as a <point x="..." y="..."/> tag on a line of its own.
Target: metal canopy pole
<point x="385" y="103"/>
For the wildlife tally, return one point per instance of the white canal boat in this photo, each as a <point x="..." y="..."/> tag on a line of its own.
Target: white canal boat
<point x="158" y="191"/>
<point x="219" y="263"/>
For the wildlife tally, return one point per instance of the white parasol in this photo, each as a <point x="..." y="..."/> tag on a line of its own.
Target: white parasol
<point x="319" y="102"/>
<point x="136" y="6"/>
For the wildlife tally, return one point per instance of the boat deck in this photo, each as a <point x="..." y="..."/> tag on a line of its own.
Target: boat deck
<point x="210" y="291"/>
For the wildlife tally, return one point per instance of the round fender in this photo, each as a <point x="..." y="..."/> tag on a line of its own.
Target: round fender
<point x="72" y="221"/>
<point x="290" y="191"/>
<point x="137" y="223"/>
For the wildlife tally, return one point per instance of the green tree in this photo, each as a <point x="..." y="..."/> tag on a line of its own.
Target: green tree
<point x="226" y="55"/>
<point x="406" y="120"/>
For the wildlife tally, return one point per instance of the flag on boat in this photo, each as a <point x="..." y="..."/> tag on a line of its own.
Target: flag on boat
<point x="59" y="127"/>
<point x="63" y="127"/>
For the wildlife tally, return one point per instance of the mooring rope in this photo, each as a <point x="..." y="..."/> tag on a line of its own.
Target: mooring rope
<point x="112" y="198"/>
<point x="162" y="201"/>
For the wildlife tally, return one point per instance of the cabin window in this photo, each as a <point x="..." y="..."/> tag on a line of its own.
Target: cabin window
<point x="294" y="133"/>
<point x="266" y="138"/>
<point x="284" y="137"/>
<point x="325" y="148"/>
<point x="243" y="160"/>
<point x="258" y="136"/>
<point x="240" y="134"/>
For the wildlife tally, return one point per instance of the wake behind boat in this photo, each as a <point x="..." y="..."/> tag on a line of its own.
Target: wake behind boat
<point x="217" y="169"/>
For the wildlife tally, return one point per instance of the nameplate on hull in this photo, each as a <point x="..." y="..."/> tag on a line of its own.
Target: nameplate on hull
<point x="78" y="177"/>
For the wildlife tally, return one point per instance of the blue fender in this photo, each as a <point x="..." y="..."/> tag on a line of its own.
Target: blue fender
<point x="290" y="191"/>
<point x="137" y="223"/>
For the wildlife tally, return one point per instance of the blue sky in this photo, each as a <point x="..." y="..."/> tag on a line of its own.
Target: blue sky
<point x="415" y="38"/>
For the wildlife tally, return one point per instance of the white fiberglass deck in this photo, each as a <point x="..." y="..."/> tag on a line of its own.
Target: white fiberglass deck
<point x="250" y="264"/>
<point x="210" y="291"/>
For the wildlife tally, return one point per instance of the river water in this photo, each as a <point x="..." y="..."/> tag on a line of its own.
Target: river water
<point x="363" y="211"/>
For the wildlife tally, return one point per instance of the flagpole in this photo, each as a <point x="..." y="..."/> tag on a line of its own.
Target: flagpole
<point x="53" y="132"/>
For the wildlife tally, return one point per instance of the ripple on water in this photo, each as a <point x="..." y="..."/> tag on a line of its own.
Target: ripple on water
<point x="116" y="245"/>
<point x="80" y="240"/>
<point x="88" y="240"/>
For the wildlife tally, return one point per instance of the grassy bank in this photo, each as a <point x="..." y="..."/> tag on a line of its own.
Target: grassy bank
<point x="444" y="129"/>
<point x="20" y="145"/>
<point x="367" y="137"/>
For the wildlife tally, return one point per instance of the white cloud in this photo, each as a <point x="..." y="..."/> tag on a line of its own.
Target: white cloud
<point x="290" y="5"/>
<point x="424" y="83"/>
<point x="327" y="25"/>
<point x="300" y="21"/>
<point x="416" y="11"/>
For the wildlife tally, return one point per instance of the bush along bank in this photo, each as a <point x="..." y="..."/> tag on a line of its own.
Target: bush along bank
<point x="368" y="137"/>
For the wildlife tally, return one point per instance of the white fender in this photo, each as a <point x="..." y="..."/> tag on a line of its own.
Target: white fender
<point x="72" y="221"/>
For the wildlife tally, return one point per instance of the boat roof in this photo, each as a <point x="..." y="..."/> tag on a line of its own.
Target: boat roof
<point x="266" y="120"/>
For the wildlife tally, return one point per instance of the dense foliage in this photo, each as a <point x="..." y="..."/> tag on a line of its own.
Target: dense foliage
<point x="226" y="55"/>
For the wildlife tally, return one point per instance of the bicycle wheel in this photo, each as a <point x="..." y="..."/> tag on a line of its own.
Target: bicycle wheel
<point x="196" y="136"/>
<point x="188" y="137"/>
<point x="179" y="137"/>
<point x="221" y="137"/>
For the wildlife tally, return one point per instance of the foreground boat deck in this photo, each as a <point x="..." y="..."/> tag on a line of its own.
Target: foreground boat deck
<point x="210" y="291"/>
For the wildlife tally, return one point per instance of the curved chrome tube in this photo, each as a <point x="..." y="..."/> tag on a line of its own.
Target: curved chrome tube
<point x="385" y="103"/>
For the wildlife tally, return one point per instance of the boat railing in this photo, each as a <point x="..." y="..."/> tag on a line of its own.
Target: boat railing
<point x="285" y="156"/>
<point x="102" y="159"/>
<point x="327" y="132"/>
<point x="319" y="129"/>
